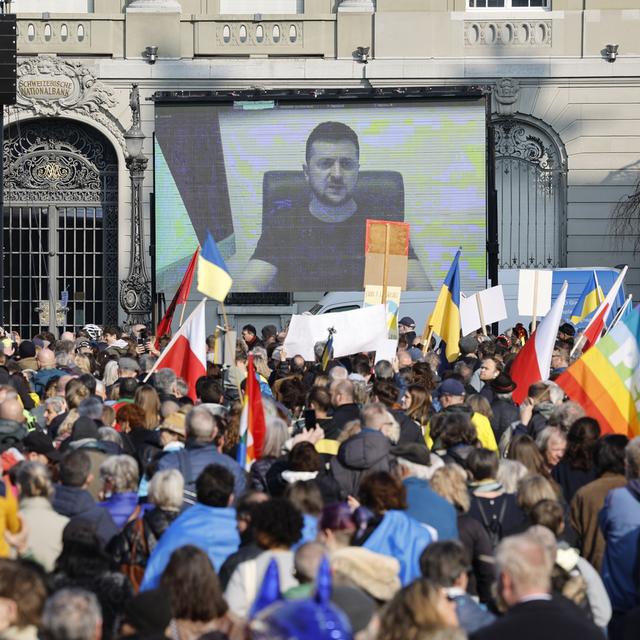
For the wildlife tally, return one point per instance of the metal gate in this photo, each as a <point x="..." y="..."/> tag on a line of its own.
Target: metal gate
<point x="60" y="236"/>
<point x="531" y="188"/>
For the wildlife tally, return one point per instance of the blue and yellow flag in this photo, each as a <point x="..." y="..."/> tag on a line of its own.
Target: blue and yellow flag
<point x="327" y="353"/>
<point x="445" y="318"/>
<point x="214" y="280"/>
<point x="590" y="299"/>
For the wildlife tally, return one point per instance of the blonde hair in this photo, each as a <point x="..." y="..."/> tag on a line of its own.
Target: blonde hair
<point x="412" y="611"/>
<point x="532" y="489"/>
<point x="450" y="482"/>
<point x="83" y="363"/>
<point x="146" y="397"/>
<point x="34" y="480"/>
<point x="166" y="488"/>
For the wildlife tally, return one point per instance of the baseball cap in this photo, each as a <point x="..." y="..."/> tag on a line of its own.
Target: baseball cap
<point x="128" y="364"/>
<point x="450" y="387"/>
<point x="39" y="442"/>
<point x="407" y="322"/>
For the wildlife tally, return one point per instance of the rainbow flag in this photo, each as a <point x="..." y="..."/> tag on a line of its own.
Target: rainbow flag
<point x="589" y="300"/>
<point x="604" y="380"/>
<point x="252" y="422"/>
<point x="445" y="317"/>
<point x="214" y="280"/>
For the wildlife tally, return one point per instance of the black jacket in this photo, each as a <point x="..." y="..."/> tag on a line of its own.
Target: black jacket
<point x="76" y="503"/>
<point x="505" y="413"/>
<point x="410" y="432"/>
<point x="556" y="619"/>
<point x="343" y="414"/>
<point x="367" y="451"/>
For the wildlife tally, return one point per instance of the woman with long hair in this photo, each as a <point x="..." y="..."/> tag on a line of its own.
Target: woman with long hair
<point x="146" y="397"/>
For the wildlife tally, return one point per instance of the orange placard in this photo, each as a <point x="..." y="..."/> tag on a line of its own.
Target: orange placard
<point x="386" y="254"/>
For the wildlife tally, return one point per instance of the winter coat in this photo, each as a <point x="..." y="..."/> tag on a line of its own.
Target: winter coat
<point x="154" y="523"/>
<point x="120" y="506"/>
<point x="75" y="502"/>
<point x="500" y="516"/>
<point x="341" y="416"/>
<point x="505" y="413"/>
<point x="620" y="525"/>
<point x="45" y="530"/>
<point x="192" y="460"/>
<point x="426" y="506"/>
<point x="213" y="529"/>
<point x="570" y="479"/>
<point x="364" y="452"/>
<point x="41" y="379"/>
<point x="258" y="473"/>
<point x="477" y="543"/>
<point x="410" y="432"/>
<point x="585" y="507"/>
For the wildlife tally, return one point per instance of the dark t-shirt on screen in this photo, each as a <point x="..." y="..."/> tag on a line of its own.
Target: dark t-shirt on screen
<point x="304" y="248"/>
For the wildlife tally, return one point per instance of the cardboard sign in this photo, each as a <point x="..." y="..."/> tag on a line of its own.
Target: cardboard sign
<point x="534" y="292"/>
<point x="386" y="253"/>
<point x="486" y="306"/>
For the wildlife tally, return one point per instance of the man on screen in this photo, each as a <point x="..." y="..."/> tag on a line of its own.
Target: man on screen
<point x="315" y="238"/>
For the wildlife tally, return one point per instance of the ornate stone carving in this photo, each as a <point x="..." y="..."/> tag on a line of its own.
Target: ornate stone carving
<point x="512" y="140"/>
<point x="507" y="33"/>
<point x="507" y="94"/>
<point x="51" y="86"/>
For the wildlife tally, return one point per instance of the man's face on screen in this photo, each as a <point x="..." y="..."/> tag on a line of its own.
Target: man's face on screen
<point x="332" y="171"/>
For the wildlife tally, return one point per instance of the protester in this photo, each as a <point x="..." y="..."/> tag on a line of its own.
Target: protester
<point x="72" y="614"/>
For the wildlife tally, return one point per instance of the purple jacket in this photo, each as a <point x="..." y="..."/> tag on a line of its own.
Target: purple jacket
<point x="120" y="507"/>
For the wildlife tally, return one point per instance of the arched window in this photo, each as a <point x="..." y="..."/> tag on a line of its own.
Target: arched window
<point x="531" y="187"/>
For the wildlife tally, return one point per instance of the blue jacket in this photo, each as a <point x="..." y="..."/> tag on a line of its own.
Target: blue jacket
<point x="426" y="506"/>
<point x="402" y="538"/>
<point x="195" y="458"/>
<point x="620" y="526"/>
<point x="212" y="529"/>
<point x="41" y="378"/>
<point x="75" y="502"/>
<point x="120" y="507"/>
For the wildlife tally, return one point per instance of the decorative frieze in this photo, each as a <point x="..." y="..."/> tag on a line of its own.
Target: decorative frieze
<point x="507" y="33"/>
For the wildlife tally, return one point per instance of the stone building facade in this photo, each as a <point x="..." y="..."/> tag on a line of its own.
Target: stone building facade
<point x="567" y="117"/>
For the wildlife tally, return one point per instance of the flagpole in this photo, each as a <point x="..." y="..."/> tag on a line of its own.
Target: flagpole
<point x="184" y="306"/>
<point x="598" y="298"/>
<point x="224" y="316"/>
<point x="176" y="335"/>
<point x="618" y="315"/>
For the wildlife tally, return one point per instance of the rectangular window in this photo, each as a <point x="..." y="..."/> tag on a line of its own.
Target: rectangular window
<point x="509" y="4"/>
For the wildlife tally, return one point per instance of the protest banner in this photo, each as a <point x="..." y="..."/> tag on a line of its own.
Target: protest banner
<point x="482" y="308"/>
<point x="534" y="293"/>
<point x="355" y="331"/>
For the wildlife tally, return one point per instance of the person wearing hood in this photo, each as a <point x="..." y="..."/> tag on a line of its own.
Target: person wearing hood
<point x="452" y="396"/>
<point x="366" y="451"/>
<point x="72" y="499"/>
<point x="620" y="526"/>
<point x="45" y="370"/>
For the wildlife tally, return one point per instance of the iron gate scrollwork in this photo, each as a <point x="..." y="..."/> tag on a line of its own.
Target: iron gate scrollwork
<point x="60" y="223"/>
<point x="530" y="183"/>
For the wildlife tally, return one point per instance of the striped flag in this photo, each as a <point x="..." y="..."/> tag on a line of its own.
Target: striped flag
<point x="533" y="362"/>
<point x="605" y="380"/>
<point x="214" y="280"/>
<point x="327" y="352"/>
<point x="252" y="422"/>
<point x="590" y="299"/>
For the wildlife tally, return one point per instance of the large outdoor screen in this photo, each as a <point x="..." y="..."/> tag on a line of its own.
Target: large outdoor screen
<point x="286" y="188"/>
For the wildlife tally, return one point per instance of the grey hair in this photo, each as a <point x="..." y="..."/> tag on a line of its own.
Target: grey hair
<point x="165" y="490"/>
<point x="200" y="425"/>
<point x="109" y="434"/>
<point x="318" y="349"/>
<point x="376" y="416"/>
<point x="34" y="480"/>
<point x="565" y="415"/>
<point x="90" y="407"/>
<point x="122" y="472"/>
<point x="110" y="373"/>
<point x="510" y="472"/>
<point x="276" y="435"/>
<point x="64" y="359"/>
<point x="146" y="362"/>
<point x="384" y="370"/>
<point x="542" y="441"/>
<point x="182" y="388"/>
<point x="165" y="380"/>
<point x="72" y="614"/>
<point x="526" y="560"/>
<point x="421" y="471"/>
<point x="57" y="402"/>
<point x="338" y="374"/>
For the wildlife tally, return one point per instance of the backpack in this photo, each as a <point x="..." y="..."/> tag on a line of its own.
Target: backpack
<point x="133" y="569"/>
<point x="493" y="528"/>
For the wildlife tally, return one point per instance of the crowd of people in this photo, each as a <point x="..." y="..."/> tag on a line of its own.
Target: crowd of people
<point x="390" y="501"/>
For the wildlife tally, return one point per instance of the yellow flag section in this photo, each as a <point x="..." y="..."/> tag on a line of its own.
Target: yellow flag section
<point x="605" y="381"/>
<point x="445" y="318"/>
<point x="214" y="280"/>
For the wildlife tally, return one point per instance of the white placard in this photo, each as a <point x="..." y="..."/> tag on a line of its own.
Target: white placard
<point x="527" y="279"/>
<point x="387" y="351"/>
<point x="357" y="330"/>
<point x="493" y="309"/>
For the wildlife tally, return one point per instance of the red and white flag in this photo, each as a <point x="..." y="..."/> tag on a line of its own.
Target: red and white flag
<point x="593" y="331"/>
<point x="186" y="354"/>
<point x="533" y="363"/>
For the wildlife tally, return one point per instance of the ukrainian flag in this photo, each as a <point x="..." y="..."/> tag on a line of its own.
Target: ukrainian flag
<point x="214" y="280"/>
<point x="590" y="299"/>
<point x="445" y="318"/>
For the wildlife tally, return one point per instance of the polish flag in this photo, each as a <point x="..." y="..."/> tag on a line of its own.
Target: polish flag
<point x="186" y="354"/>
<point x="593" y="331"/>
<point x="533" y="363"/>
